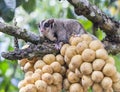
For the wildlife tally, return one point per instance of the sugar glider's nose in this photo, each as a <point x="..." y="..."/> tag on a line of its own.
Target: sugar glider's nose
<point x="42" y="30"/>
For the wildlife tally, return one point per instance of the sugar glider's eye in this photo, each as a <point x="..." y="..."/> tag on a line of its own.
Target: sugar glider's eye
<point x="39" y="26"/>
<point x="46" y="25"/>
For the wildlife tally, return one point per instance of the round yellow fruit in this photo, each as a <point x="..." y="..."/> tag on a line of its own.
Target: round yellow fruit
<point x="76" y="87"/>
<point x="71" y="67"/>
<point x="52" y="88"/>
<point x="86" y="81"/>
<point x="59" y="88"/>
<point x="28" y="67"/>
<point x="41" y="86"/>
<point x="70" y="51"/>
<point x="57" y="78"/>
<point x="22" y="62"/>
<point x="97" y="88"/>
<point x="109" y="90"/>
<point x="88" y="55"/>
<point x="86" y="68"/>
<point x="74" y="40"/>
<point x="76" y="61"/>
<point x="30" y="88"/>
<point x="95" y="45"/>
<point x="47" y="69"/>
<point x="101" y="54"/>
<point x="60" y="59"/>
<point x="110" y="60"/>
<point x="115" y="77"/>
<point x="48" y="78"/>
<point x="49" y="58"/>
<point x="67" y="60"/>
<point x="29" y="80"/>
<point x="33" y="60"/>
<point x="39" y="64"/>
<point x="36" y="76"/>
<point x="116" y="86"/>
<point x="63" y="71"/>
<point x="67" y="72"/>
<point x="22" y="83"/>
<point x="98" y="64"/>
<point x="86" y="37"/>
<point x="22" y="89"/>
<point x="39" y="71"/>
<point x="63" y="49"/>
<point x="81" y="47"/>
<point x="97" y="76"/>
<point x="56" y="66"/>
<point x="29" y="73"/>
<point x="66" y="84"/>
<point x="78" y="73"/>
<point x="109" y="69"/>
<point x="106" y="83"/>
<point x="73" y="78"/>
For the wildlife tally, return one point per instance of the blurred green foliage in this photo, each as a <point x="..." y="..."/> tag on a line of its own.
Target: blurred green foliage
<point x="27" y="14"/>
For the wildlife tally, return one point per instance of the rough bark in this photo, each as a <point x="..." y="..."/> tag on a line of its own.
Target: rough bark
<point x="20" y="33"/>
<point x="100" y="19"/>
<point x="111" y="47"/>
<point x="32" y="51"/>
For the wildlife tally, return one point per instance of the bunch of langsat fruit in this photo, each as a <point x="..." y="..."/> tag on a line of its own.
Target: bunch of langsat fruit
<point x="82" y="64"/>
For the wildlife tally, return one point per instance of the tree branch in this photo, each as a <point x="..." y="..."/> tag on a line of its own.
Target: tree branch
<point x="82" y="7"/>
<point x="32" y="51"/>
<point x="111" y="47"/>
<point x="104" y="22"/>
<point x="20" y="34"/>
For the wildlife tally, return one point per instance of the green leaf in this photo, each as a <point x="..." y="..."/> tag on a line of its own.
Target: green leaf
<point x="97" y="2"/>
<point x="107" y="3"/>
<point x="100" y="34"/>
<point x="7" y="8"/>
<point x="86" y="24"/>
<point x="2" y="90"/>
<point x="117" y="62"/>
<point x="70" y="13"/>
<point x="29" y="6"/>
<point x="10" y="48"/>
<point x="90" y="89"/>
<point x="3" y="67"/>
<point x="19" y="2"/>
<point x="7" y="14"/>
<point x="2" y="4"/>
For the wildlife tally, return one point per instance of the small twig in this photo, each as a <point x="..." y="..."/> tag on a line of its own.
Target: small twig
<point x="16" y="45"/>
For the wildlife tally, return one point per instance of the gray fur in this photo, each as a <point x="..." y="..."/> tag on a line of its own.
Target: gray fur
<point x="62" y="28"/>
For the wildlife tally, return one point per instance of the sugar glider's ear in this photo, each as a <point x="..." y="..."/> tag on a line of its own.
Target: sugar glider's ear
<point x="51" y="21"/>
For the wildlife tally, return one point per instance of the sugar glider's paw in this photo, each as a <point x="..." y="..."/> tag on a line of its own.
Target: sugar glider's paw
<point x="54" y="39"/>
<point x="58" y="45"/>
